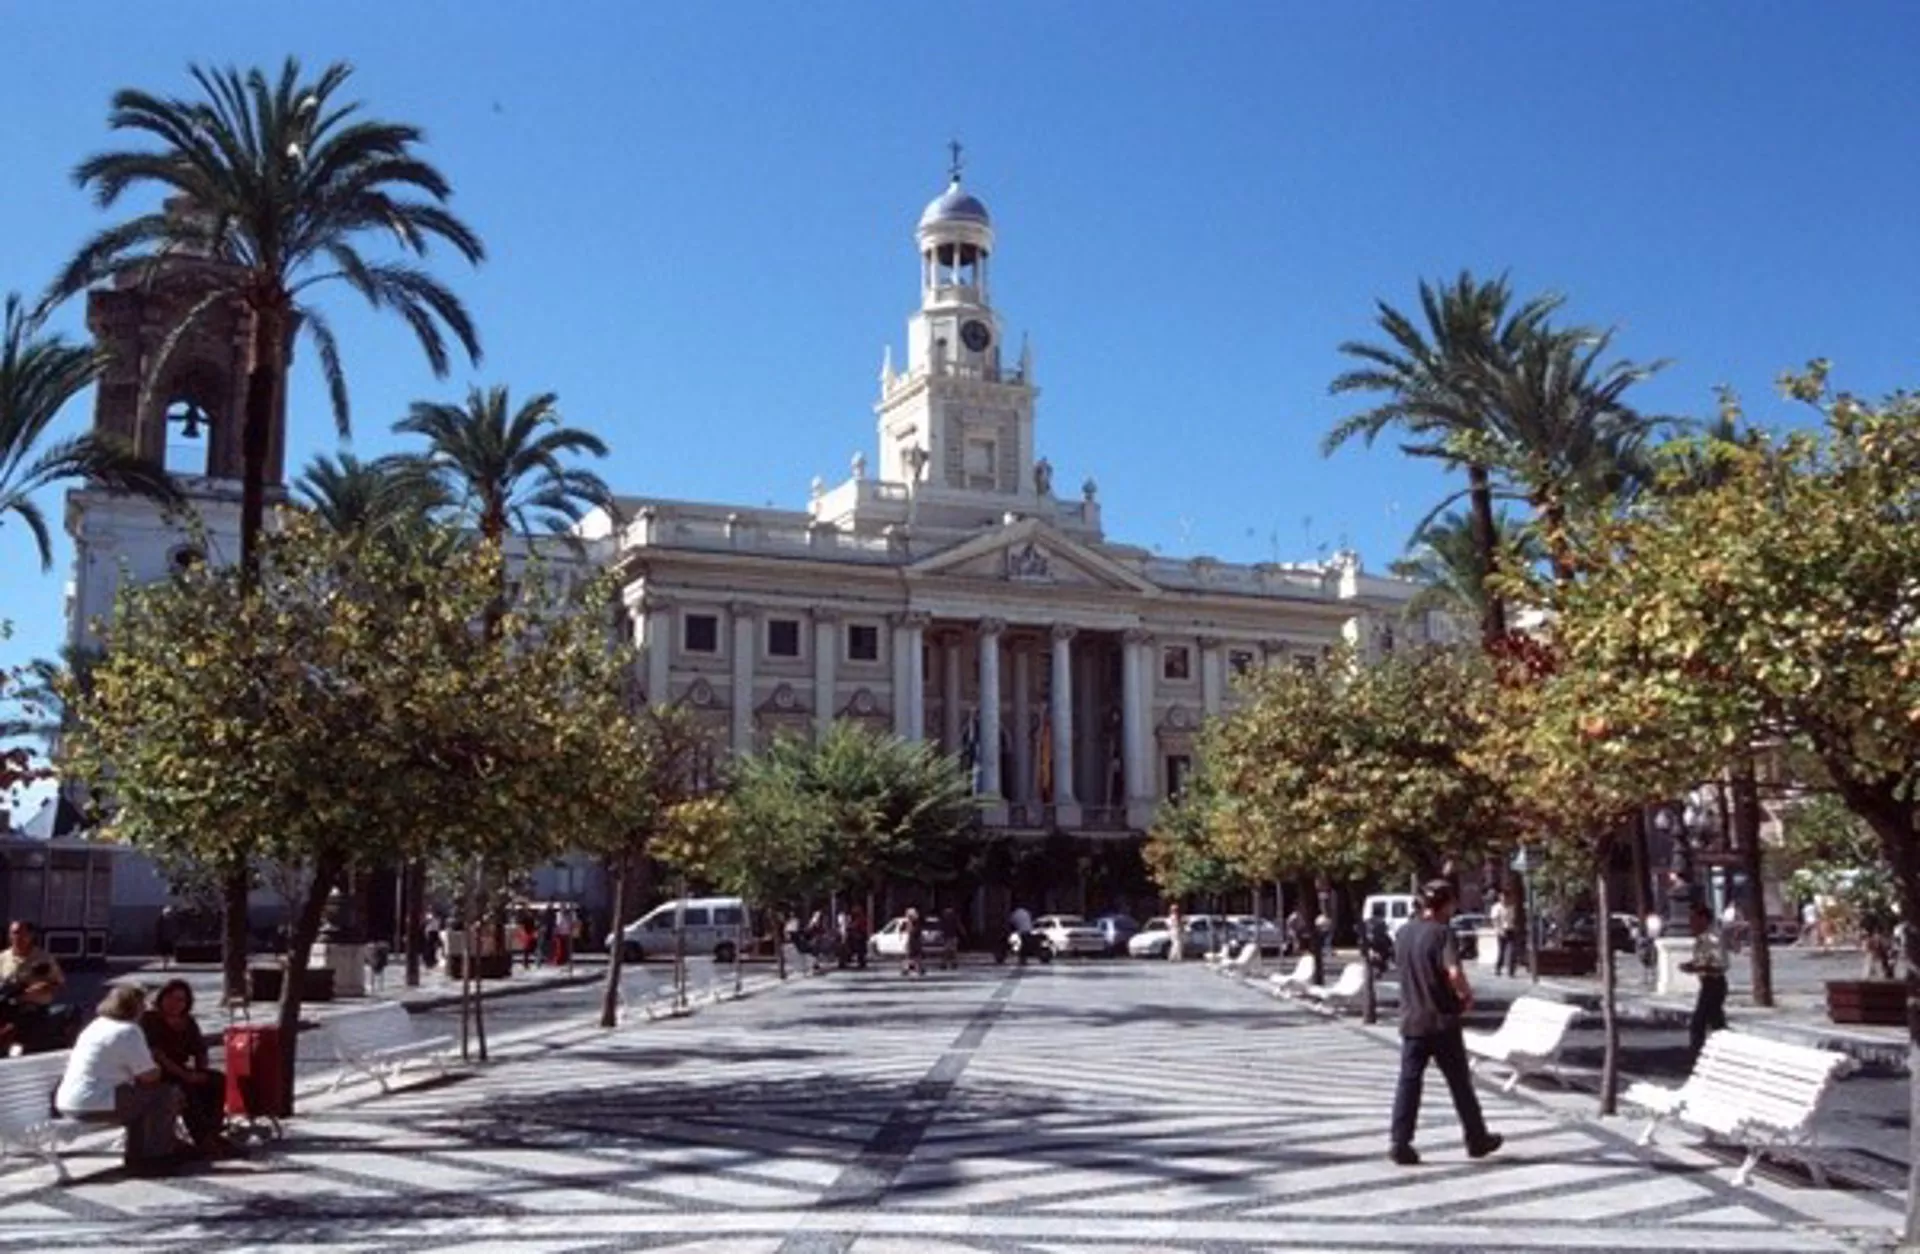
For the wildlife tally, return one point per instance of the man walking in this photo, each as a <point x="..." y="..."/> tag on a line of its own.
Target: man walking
<point x="1501" y="916"/>
<point x="1433" y="995"/>
<point x="1709" y="966"/>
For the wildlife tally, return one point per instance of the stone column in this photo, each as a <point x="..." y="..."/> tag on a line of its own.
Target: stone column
<point x="1022" y="784"/>
<point x="743" y="650"/>
<point x="909" y="723"/>
<point x="950" y="692"/>
<point x="1133" y="713"/>
<point x="825" y="655"/>
<point x="989" y="739"/>
<point x="1066" y="813"/>
<point x="1212" y="676"/>
<point x="917" y="677"/>
<point x="659" y="647"/>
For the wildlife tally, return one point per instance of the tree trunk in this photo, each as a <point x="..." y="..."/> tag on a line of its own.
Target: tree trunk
<point x="415" y="879"/>
<point x="305" y="927"/>
<point x="234" y="883"/>
<point x="616" y="961"/>
<point x="478" y="929"/>
<point x="1609" y="1026"/>
<point x="780" y="941"/>
<point x="1369" y="999"/>
<point x="1486" y="538"/>
<point x="1746" y="834"/>
<point x="1642" y="856"/>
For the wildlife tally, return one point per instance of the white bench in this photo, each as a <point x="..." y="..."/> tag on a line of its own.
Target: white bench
<point x="1294" y="982"/>
<point x="27" y="1121"/>
<point x="1243" y="964"/>
<point x="1344" y="993"/>
<point x="1762" y="1094"/>
<point x="655" y="999"/>
<point x="379" y="1041"/>
<point x="1528" y="1039"/>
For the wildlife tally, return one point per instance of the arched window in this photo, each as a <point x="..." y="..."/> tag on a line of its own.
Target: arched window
<point x="196" y="406"/>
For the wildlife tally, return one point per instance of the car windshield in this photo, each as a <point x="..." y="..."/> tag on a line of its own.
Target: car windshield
<point x="1068" y="920"/>
<point x="1155" y="925"/>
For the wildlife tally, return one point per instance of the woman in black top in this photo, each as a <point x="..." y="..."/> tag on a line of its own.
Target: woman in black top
<point x="180" y="1049"/>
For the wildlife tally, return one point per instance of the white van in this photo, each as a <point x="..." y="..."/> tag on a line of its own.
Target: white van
<point x="711" y="925"/>
<point x="1393" y="909"/>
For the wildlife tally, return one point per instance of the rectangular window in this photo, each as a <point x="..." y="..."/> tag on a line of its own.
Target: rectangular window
<point x="1176" y="662"/>
<point x="982" y="463"/>
<point x="783" y="637"/>
<point x="1179" y="768"/>
<point x="1240" y="661"/>
<point x="1306" y="662"/>
<point x="863" y="642"/>
<point x="694" y="916"/>
<point x="727" y="916"/>
<point x="701" y="633"/>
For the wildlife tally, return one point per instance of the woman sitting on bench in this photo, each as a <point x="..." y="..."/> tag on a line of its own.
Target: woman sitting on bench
<point x="180" y="1049"/>
<point x="112" y="1078"/>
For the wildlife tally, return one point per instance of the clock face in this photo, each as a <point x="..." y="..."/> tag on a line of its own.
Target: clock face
<point x="975" y="335"/>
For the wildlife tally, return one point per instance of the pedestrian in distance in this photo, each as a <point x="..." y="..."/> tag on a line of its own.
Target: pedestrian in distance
<point x="548" y="917"/>
<point x="950" y="939"/>
<point x="1501" y="916"/>
<point x="1020" y="922"/>
<point x="857" y="935"/>
<point x="1176" y="934"/>
<point x="1434" y="994"/>
<point x="565" y="924"/>
<point x="1709" y="966"/>
<point x="916" y="963"/>
<point x="165" y="937"/>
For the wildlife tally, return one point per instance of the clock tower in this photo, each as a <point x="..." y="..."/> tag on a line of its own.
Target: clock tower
<point x="960" y="418"/>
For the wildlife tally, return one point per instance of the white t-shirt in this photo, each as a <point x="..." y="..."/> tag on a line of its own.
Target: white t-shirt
<point x="107" y="1054"/>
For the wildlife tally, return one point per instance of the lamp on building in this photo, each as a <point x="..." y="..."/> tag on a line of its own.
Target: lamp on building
<point x="1672" y="827"/>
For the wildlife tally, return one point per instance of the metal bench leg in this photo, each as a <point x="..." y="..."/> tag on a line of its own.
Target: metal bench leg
<point x="1744" y="1176"/>
<point x="1646" y="1137"/>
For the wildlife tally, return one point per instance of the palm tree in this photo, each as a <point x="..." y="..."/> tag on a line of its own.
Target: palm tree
<point x="278" y="184"/>
<point x="506" y="465"/>
<point x="39" y="374"/>
<point x="1429" y="378"/>
<point x="273" y="186"/>
<point x="1444" y="556"/>
<point x="1563" y="436"/>
<point x="384" y="498"/>
<point x="46" y="688"/>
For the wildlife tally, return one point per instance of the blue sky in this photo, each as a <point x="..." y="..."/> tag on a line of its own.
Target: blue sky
<point x="700" y="217"/>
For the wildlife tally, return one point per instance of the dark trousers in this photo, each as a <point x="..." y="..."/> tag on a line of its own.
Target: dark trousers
<point x="204" y="1106"/>
<point x="1709" y="1012"/>
<point x="1503" y="956"/>
<point x="1449" y="1050"/>
<point x="148" y="1112"/>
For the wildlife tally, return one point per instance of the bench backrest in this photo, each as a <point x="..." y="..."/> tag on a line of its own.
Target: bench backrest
<point x="376" y="1027"/>
<point x="26" y="1090"/>
<point x="1778" y="1083"/>
<point x="1303" y="969"/>
<point x="1537" y="1025"/>
<point x="1353" y="978"/>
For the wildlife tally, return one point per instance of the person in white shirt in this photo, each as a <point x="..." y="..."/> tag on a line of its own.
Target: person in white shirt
<point x="1501" y="917"/>
<point x="111" y="1077"/>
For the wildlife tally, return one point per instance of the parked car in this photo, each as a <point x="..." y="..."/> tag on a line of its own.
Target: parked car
<point x="1623" y="932"/>
<point x="1154" y="940"/>
<point x="1263" y="932"/>
<point x="708" y="925"/>
<point x="1069" y="935"/>
<point x="1118" y="929"/>
<point x="1392" y="909"/>
<point x="891" y="940"/>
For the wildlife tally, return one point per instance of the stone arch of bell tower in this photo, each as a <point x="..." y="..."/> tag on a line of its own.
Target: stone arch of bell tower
<point x="203" y="383"/>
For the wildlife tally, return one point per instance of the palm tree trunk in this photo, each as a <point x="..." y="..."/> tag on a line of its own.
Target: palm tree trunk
<point x="1493" y="610"/>
<point x="263" y="386"/>
<point x="1609" y="1027"/>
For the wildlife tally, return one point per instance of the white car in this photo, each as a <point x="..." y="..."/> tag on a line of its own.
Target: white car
<point x="1069" y="935"/>
<point x="1154" y="940"/>
<point x="891" y="940"/>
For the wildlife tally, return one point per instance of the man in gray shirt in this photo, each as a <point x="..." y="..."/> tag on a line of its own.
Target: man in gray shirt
<point x="1433" y="995"/>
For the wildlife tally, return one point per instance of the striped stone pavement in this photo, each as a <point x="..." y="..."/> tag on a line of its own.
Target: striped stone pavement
<point x="1072" y="1108"/>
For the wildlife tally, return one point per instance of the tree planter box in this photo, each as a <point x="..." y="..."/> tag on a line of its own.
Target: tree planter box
<point x="487" y="967"/>
<point x="1548" y="962"/>
<point x="1882" y="1002"/>
<point x="263" y="984"/>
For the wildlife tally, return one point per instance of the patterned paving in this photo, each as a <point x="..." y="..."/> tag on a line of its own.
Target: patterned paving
<point x="1058" y="1111"/>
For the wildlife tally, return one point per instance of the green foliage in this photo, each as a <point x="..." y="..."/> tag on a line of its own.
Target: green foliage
<point x="39" y="374"/>
<point x="351" y="711"/>
<point x="1183" y="853"/>
<point x="1354" y="771"/>
<point x="1445" y="557"/>
<point x="809" y="818"/>
<point x="1830" y="854"/>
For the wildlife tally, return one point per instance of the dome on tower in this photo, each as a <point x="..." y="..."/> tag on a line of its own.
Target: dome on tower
<point x="955" y="205"/>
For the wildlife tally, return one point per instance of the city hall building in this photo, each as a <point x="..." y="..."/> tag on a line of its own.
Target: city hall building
<point x="948" y="591"/>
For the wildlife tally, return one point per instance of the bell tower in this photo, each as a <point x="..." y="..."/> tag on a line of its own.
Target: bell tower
<point x="959" y="418"/>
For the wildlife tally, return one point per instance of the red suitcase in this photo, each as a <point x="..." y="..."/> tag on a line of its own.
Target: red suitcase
<point x="256" y="1073"/>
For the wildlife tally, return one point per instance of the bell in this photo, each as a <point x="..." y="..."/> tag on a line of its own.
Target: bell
<point x="190" y="428"/>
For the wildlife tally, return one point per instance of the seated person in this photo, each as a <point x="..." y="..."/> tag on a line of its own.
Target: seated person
<point x="181" y="1052"/>
<point x="112" y="1078"/>
<point x="32" y="977"/>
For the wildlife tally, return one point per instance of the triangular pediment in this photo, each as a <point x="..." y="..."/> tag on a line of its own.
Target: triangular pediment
<point x="1030" y="552"/>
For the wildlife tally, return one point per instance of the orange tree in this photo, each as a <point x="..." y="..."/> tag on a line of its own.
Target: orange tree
<point x="1783" y="602"/>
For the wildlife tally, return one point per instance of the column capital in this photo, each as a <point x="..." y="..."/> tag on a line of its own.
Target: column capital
<point x="648" y="602"/>
<point x="740" y="610"/>
<point x="915" y="620"/>
<point x="1064" y="632"/>
<point x="1209" y="642"/>
<point x="825" y="614"/>
<point x="1137" y="635"/>
<point x="992" y="626"/>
